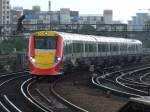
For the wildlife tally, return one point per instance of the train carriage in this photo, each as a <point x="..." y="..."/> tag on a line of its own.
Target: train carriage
<point x="51" y="53"/>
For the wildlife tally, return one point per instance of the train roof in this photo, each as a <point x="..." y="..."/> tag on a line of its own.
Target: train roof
<point x="81" y="37"/>
<point x="88" y="38"/>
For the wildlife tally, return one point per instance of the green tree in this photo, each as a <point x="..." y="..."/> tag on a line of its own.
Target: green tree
<point x="87" y="29"/>
<point x="8" y="46"/>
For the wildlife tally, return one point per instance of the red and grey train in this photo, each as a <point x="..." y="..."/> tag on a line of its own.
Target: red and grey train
<point x="51" y="53"/>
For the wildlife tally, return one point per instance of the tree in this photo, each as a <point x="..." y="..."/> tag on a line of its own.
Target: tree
<point x="87" y="29"/>
<point x="8" y="46"/>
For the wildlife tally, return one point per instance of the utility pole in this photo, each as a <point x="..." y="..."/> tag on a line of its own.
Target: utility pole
<point x="49" y="10"/>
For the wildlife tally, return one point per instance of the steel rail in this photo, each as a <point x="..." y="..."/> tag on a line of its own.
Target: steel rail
<point x="64" y="100"/>
<point x="29" y="96"/>
<point x="47" y="109"/>
<point x="6" y="81"/>
<point x="14" y="106"/>
<point x="11" y="74"/>
<point x="142" y="78"/>
<point x="42" y="95"/>
<point x="4" y="107"/>
<point x="119" y="78"/>
<point x="97" y="83"/>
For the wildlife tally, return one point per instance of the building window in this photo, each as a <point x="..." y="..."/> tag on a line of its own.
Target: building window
<point x="7" y="7"/>
<point x="7" y="17"/>
<point x="3" y="2"/>
<point x="3" y="7"/>
<point x="7" y="2"/>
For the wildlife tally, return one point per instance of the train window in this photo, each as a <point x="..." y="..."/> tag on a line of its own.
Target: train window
<point x="51" y="43"/>
<point x="137" y="47"/>
<point x="45" y="43"/>
<point x="40" y="43"/>
<point x="69" y="48"/>
<point x="74" y="49"/>
<point x="131" y="47"/>
<point x="99" y="47"/>
<point x="115" y="47"/>
<point x="79" y="47"/>
<point x="94" y="47"/>
<point x="111" y="47"/>
<point x="86" y="47"/>
<point x="91" y="48"/>
<point x="65" y="48"/>
<point x="123" y="47"/>
<point x="103" y="47"/>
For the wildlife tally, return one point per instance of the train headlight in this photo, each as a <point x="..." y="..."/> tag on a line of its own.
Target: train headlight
<point x="32" y="59"/>
<point x="57" y="59"/>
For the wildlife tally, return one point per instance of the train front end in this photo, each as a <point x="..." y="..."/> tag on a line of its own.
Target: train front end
<point x="45" y="53"/>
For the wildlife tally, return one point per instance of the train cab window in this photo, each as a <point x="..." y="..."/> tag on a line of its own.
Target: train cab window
<point x="51" y="43"/>
<point x="45" y="43"/>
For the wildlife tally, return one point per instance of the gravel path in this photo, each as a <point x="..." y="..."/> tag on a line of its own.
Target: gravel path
<point x="77" y="89"/>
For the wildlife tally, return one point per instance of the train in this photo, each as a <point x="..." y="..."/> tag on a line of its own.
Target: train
<point x="52" y="53"/>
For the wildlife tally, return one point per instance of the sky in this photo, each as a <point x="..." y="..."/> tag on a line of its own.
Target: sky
<point x="122" y="9"/>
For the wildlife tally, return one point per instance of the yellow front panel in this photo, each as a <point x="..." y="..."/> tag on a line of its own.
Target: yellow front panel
<point x="44" y="58"/>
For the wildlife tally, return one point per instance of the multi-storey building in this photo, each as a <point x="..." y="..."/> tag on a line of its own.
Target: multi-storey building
<point x="5" y="15"/>
<point x="55" y="17"/>
<point x="65" y="16"/>
<point x="15" y="13"/>
<point x="138" y="22"/>
<point x="90" y="19"/>
<point x="108" y="16"/>
<point x="36" y="8"/>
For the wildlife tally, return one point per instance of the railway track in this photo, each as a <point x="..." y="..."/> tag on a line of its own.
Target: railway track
<point x="125" y="82"/>
<point x="49" y="98"/>
<point x="22" y="93"/>
<point x="12" y="99"/>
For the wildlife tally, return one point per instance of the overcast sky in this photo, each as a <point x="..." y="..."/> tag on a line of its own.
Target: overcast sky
<point x="122" y="9"/>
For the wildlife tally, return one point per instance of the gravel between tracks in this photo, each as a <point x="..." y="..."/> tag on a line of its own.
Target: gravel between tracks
<point x="77" y="89"/>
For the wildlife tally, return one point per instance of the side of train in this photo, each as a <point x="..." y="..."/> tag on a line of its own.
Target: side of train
<point x="66" y="50"/>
